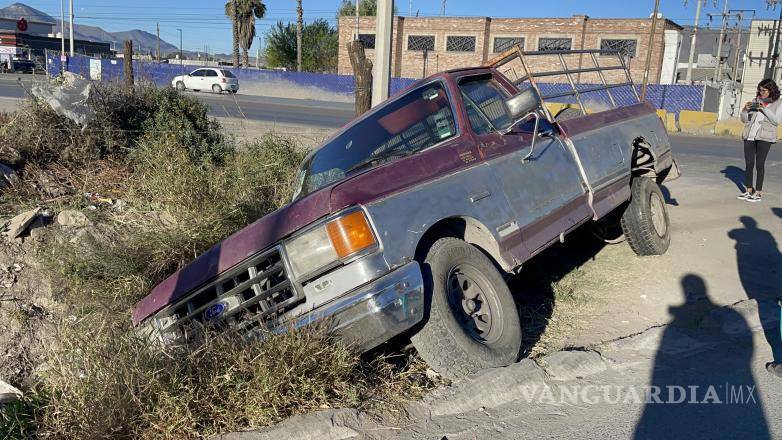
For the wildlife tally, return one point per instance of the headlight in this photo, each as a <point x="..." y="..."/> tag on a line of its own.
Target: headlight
<point x="337" y="239"/>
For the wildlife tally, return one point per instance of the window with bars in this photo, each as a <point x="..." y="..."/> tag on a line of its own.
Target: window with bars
<point x="625" y="47"/>
<point x="420" y="42"/>
<point x="460" y="43"/>
<point x="368" y="40"/>
<point x="554" y="43"/>
<point x="501" y="44"/>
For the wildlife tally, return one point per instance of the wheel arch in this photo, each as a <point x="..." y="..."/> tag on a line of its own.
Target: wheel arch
<point x="466" y="228"/>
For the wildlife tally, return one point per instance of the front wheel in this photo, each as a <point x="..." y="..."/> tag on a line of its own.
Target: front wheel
<point x="180" y="86"/>
<point x="645" y="222"/>
<point x="217" y="89"/>
<point x="472" y="320"/>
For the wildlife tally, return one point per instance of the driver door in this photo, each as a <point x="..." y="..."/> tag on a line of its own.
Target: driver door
<point x="542" y="185"/>
<point x="194" y="79"/>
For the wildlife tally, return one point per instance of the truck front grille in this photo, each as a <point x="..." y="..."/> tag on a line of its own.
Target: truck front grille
<point x="245" y="297"/>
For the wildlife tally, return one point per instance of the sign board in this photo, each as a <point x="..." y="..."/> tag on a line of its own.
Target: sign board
<point x="95" y="70"/>
<point x="21" y="24"/>
<point x="13" y="50"/>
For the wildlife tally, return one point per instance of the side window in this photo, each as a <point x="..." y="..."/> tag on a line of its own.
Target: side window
<point x="211" y="73"/>
<point x="485" y="104"/>
<point x="198" y="72"/>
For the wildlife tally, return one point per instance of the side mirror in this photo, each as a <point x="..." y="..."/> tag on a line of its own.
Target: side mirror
<point x="523" y="102"/>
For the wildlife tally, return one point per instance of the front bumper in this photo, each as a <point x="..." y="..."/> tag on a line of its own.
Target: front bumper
<point x="376" y="312"/>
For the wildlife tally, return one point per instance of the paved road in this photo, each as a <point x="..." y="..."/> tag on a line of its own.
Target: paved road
<point x="321" y="114"/>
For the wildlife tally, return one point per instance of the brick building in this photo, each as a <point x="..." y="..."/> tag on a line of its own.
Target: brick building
<point x="424" y="45"/>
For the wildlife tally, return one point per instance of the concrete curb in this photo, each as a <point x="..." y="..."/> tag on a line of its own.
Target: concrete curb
<point x="331" y="424"/>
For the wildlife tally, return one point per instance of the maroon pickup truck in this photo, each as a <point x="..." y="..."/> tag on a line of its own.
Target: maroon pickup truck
<point x="407" y="219"/>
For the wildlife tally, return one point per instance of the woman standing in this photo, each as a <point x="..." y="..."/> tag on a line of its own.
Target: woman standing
<point x="761" y="116"/>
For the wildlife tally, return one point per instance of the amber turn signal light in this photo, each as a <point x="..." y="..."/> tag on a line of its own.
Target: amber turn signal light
<point x="350" y="234"/>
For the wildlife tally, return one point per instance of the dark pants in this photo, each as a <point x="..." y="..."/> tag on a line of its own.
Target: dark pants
<point x="755" y="153"/>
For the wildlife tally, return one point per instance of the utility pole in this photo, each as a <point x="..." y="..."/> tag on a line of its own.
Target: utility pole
<point x="382" y="67"/>
<point x="718" y="67"/>
<point x="181" y="63"/>
<point x="739" y="13"/>
<point x="158" y="42"/>
<point x="72" y="28"/>
<point x="694" y="37"/>
<point x="62" y="26"/>
<point x="299" y="26"/>
<point x="357" y="18"/>
<point x="258" y="53"/>
<point x="442" y="7"/>
<point x="649" y="49"/>
<point x="410" y="8"/>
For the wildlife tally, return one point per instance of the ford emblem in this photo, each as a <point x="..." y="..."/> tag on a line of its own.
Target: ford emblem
<point x="214" y="311"/>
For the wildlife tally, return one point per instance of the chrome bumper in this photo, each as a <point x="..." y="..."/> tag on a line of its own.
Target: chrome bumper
<point x="376" y="311"/>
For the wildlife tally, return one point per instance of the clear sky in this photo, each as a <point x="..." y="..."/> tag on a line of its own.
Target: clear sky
<point x="203" y="21"/>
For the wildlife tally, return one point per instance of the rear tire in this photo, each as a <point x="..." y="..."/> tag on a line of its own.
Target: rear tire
<point x="217" y="89"/>
<point x="472" y="320"/>
<point x="645" y="222"/>
<point x="180" y="86"/>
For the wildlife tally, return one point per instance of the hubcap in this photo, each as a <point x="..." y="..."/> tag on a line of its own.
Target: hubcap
<point x="474" y="304"/>
<point x="658" y="214"/>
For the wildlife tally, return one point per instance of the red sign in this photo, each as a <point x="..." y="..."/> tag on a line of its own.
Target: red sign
<point x="21" y="24"/>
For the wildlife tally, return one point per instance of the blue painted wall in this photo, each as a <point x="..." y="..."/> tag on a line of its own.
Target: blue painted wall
<point x="673" y="98"/>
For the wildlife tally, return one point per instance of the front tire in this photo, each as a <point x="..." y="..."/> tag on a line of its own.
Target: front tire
<point x="472" y="320"/>
<point x="180" y="86"/>
<point x="217" y="89"/>
<point x="645" y="222"/>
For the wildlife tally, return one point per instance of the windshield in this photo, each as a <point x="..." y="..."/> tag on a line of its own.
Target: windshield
<point x="417" y="120"/>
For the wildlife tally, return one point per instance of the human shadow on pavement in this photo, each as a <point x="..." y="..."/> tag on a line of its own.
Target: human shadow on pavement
<point x="705" y="382"/>
<point x="760" y="271"/>
<point x="667" y="196"/>
<point x="735" y="175"/>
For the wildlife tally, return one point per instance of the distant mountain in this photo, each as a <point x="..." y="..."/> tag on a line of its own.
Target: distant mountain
<point x="142" y="41"/>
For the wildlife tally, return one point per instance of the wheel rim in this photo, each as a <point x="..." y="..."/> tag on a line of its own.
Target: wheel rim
<point x="216" y="89"/>
<point x="658" y="214"/>
<point x="180" y="86"/>
<point x="474" y="303"/>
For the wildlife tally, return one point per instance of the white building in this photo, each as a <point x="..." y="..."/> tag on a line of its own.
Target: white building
<point x="762" y="57"/>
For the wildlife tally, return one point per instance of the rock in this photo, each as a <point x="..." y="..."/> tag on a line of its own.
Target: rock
<point x="49" y="184"/>
<point x="9" y="393"/>
<point x="19" y="224"/>
<point x="73" y="218"/>
<point x="9" y="177"/>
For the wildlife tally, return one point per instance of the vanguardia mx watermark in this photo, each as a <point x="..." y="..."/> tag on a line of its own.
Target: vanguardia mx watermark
<point x="729" y="394"/>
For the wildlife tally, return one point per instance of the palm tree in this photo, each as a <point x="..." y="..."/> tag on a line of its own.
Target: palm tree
<point x="245" y="13"/>
<point x="230" y="12"/>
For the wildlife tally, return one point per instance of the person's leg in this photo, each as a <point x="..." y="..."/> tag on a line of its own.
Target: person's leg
<point x="760" y="162"/>
<point x="749" y="159"/>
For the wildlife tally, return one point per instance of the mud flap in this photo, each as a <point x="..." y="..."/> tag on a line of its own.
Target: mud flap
<point x="673" y="172"/>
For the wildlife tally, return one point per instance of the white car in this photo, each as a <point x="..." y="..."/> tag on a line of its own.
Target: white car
<point x="218" y="80"/>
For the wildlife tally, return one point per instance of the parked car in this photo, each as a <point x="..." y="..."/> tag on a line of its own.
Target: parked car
<point x="409" y="218"/>
<point x="21" y="66"/>
<point x="216" y="80"/>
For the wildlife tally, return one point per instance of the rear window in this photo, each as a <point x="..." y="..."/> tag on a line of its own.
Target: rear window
<point x="228" y="73"/>
<point x="418" y="120"/>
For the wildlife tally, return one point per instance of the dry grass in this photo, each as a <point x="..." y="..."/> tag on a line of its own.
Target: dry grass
<point x="183" y="190"/>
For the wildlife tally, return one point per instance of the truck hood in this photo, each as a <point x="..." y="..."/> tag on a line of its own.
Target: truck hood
<point x="254" y="238"/>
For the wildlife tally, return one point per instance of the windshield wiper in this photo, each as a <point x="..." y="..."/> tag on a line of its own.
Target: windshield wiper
<point x="384" y="157"/>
